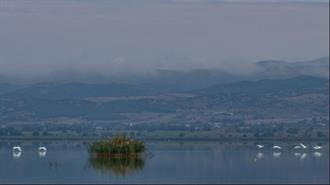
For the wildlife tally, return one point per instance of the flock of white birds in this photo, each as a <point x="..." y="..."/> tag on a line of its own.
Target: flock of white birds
<point x="17" y="151"/>
<point x="300" y="146"/>
<point x="297" y="148"/>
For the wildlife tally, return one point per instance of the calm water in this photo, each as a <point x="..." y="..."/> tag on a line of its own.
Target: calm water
<point x="170" y="162"/>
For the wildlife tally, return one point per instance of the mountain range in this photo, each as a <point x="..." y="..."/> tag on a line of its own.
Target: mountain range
<point x="168" y="80"/>
<point x="277" y="90"/>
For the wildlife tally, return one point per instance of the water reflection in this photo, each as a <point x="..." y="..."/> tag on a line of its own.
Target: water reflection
<point x="53" y="164"/>
<point x="317" y="154"/>
<point x="277" y="154"/>
<point x="119" y="166"/>
<point x="260" y="155"/>
<point x="42" y="153"/>
<point x="17" y="154"/>
<point x="297" y="154"/>
<point x="172" y="162"/>
<point x="303" y="156"/>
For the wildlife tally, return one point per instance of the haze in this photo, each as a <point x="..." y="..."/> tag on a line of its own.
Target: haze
<point x="42" y="37"/>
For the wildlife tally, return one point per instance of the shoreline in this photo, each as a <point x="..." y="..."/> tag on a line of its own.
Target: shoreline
<point x="163" y="139"/>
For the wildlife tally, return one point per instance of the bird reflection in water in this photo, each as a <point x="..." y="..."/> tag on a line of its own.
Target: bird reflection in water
<point x="53" y="164"/>
<point x="258" y="156"/>
<point x="17" y="154"/>
<point x="120" y="166"/>
<point x="276" y="154"/>
<point x="297" y="154"/>
<point x="303" y="156"/>
<point x="42" y="153"/>
<point x="317" y="154"/>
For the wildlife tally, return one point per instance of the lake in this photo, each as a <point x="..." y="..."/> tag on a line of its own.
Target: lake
<point x="167" y="162"/>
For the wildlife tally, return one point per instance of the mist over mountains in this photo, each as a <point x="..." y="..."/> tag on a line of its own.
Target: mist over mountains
<point x="162" y="63"/>
<point x="279" y="99"/>
<point x="164" y="81"/>
<point x="282" y="69"/>
<point x="277" y="89"/>
<point x="153" y="40"/>
<point x="164" y="69"/>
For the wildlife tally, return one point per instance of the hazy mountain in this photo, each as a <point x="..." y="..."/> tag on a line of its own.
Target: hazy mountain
<point x="76" y="90"/>
<point x="168" y="80"/>
<point x="301" y="96"/>
<point x="297" y="85"/>
<point x="283" y="69"/>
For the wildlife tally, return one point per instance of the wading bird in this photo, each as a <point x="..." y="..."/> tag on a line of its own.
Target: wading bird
<point x="17" y="149"/>
<point x="277" y="147"/>
<point x="260" y="146"/>
<point x="42" y="151"/>
<point x="303" y="146"/>
<point x="297" y="147"/>
<point x="316" y="147"/>
<point x="17" y="152"/>
<point x="42" y="148"/>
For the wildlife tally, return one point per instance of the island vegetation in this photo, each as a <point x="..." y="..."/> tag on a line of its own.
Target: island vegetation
<point x="118" y="146"/>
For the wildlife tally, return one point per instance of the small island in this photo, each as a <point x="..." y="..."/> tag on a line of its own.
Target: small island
<point x="118" y="146"/>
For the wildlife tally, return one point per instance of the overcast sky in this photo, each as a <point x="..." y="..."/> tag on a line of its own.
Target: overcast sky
<point x="137" y="36"/>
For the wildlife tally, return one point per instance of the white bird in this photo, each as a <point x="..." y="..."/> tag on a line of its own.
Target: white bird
<point x="42" y="148"/>
<point x="302" y="145"/>
<point x="316" y="147"/>
<point x="277" y="147"/>
<point x="42" y="151"/>
<point x="260" y="146"/>
<point x="17" y="152"/>
<point x="297" y="147"/>
<point x="17" y="148"/>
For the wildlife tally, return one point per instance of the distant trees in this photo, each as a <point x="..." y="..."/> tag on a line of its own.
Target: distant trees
<point x="10" y="131"/>
<point x="35" y="133"/>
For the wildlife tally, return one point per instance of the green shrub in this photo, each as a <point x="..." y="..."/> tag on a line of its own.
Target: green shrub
<point x="118" y="145"/>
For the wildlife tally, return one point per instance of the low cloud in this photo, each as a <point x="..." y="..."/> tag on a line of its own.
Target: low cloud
<point x="139" y="37"/>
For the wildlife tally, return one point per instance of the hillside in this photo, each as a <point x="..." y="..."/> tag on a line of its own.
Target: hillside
<point x="296" y="97"/>
<point x="76" y="90"/>
<point x="299" y="97"/>
<point x="283" y="69"/>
